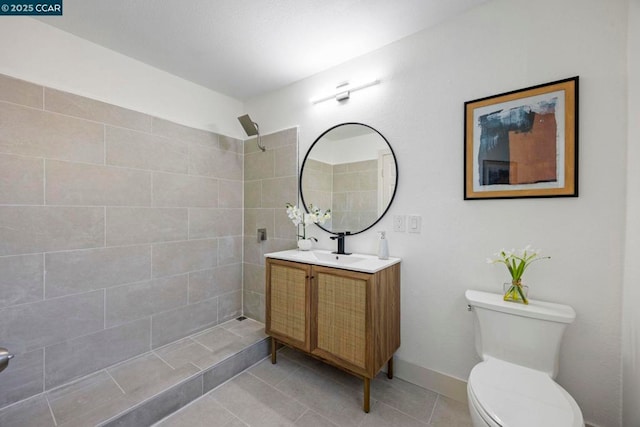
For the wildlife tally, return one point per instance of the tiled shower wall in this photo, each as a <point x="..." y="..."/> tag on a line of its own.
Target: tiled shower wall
<point x="119" y="232"/>
<point x="317" y="182"/>
<point x="355" y="195"/>
<point x="350" y="190"/>
<point x="270" y="182"/>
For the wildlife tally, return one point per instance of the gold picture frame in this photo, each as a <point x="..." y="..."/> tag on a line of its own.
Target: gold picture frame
<point x="523" y="143"/>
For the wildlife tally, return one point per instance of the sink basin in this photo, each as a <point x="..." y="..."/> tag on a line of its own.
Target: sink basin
<point x="354" y="262"/>
<point x="338" y="259"/>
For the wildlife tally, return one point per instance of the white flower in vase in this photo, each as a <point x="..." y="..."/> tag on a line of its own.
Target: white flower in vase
<point x="300" y="217"/>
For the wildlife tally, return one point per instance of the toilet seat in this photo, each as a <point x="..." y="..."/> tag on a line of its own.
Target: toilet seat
<point x="508" y="395"/>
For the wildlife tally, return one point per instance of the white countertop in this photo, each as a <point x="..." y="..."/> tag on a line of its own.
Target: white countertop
<point x="354" y="262"/>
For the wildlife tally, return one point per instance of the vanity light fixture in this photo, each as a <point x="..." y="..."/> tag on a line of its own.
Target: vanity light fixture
<point x="343" y="91"/>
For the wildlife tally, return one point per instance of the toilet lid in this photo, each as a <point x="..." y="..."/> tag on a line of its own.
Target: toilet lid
<point x="512" y="395"/>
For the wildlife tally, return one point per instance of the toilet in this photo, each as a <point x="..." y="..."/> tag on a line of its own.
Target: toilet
<point x="519" y="344"/>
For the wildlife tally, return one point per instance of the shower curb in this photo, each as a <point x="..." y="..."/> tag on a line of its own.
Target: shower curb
<point x="163" y="404"/>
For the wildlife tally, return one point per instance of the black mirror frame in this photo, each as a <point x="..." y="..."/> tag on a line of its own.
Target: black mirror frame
<point x="395" y="188"/>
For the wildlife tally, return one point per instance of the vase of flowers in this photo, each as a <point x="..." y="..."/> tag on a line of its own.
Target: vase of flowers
<point x="302" y="218"/>
<point x="517" y="262"/>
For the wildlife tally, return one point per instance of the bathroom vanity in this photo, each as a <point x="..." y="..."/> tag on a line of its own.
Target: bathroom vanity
<point x="341" y="309"/>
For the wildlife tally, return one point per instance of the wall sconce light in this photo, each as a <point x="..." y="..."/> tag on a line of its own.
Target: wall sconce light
<point x="343" y="91"/>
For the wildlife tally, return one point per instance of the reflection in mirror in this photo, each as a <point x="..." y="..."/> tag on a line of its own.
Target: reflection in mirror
<point x="350" y="169"/>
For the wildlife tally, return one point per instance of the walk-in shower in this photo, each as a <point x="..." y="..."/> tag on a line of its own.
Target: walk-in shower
<point x="251" y="128"/>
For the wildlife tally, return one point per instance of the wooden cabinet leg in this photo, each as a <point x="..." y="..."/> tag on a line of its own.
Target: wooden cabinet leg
<point x="367" y="394"/>
<point x="390" y="368"/>
<point x="273" y="350"/>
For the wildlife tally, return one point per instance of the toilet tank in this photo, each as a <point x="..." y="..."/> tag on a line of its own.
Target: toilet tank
<point x="527" y="335"/>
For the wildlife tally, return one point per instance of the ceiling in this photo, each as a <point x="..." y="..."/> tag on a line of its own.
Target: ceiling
<point x="245" y="48"/>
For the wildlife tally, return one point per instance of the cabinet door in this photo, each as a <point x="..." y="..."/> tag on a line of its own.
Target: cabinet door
<point x="341" y="316"/>
<point x="288" y="302"/>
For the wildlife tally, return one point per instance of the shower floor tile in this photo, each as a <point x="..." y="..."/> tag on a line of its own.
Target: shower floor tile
<point x="301" y="391"/>
<point x="99" y="398"/>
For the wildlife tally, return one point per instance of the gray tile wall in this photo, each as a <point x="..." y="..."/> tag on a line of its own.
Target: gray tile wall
<point x="317" y="185"/>
<point x="270" y="181"/>
<point x="350" y="190"/>
<point x="355" y="195"/>
<point x="119" y="232"/>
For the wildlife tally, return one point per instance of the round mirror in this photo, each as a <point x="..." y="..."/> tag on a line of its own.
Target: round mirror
<point x="350" y="169"/>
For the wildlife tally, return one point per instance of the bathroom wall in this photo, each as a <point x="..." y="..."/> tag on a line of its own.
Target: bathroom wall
<point x="499" y="46"/>
<point x="119" y="232"/>
<point x="631" y="316"/>
<point x="69" y="63"/>
<point x="317" y="181"/>
<point x="348" y="189"/>
<point x="270" y="181"/>
<point x="355" y="195"/>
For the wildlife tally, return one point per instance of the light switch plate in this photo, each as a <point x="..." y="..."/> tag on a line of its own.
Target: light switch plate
<point x="399" y="223"/>
<point x="414" y="223"/>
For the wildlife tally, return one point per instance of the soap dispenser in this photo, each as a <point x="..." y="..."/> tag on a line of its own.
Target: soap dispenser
<point x="383" y="246"/>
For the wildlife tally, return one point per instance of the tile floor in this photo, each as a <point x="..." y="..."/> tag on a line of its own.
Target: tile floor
<point x="113" y="391"/>
<point x="301" y="391"/>
<point x="297" y="391"/>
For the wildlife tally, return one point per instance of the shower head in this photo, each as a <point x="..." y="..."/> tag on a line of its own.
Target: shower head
<point x="251" y="128"/>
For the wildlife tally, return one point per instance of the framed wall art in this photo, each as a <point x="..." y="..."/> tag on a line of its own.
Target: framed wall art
<point x="523" y="143"/>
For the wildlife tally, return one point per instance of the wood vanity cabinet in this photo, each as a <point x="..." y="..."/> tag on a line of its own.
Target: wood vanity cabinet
<point x="346" y="318"/>
<point x="288" y="303"/>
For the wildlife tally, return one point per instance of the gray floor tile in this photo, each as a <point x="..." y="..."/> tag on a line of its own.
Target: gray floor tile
<point x="33" y="412"/>
<point x="232" y="366"/>
<point x="210" y="347"/>
<point x="244" y="328"/>
<point x="87" y="395"/>
<point x="313" y="419"/>
<point x="404" y="396"/>
<point x="221" y="344"/>
<point x="382" y="415"/>
<point x="184" y="352"/>
<point x="147" y="375"/>
<point x="348" y="380"/>
<point x="338" y="375"/>
<point x="256" y="403"/>
<point x="236" y="423"/>
<point x="100" y="413"/>
<point x="450" y="413"/>
<point x="334" y="401"/>
<point x="274" y="374"/>
<point x="297" y="391"/>
<point x="204" y="412"/>
<point x="217" y="338"/>
<point x="165" y="403"/>
<point x="301" y="358"/>
<point x="112" y="392"/>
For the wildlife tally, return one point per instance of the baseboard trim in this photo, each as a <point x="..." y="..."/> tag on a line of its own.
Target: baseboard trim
<point x="445" y="385"/>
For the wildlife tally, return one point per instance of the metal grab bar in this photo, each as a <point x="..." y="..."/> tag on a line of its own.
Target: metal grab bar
<point x="5" y="356"/>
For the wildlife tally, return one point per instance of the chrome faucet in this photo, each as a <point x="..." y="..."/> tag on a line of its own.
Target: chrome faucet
<point x="340" y="238"/>
<point x="5" y="356"/>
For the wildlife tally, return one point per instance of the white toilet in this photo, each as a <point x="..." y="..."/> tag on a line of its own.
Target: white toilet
<point x="519" y="344"/>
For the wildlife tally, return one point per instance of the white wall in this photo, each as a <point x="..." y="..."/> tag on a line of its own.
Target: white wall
<point x="631" y="315"/>
<point x="497" y="47"/>
<point x="39" y="53"/>
<point x="349" y="150"/>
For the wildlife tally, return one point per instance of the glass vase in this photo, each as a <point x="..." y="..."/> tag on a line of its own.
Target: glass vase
<point x="515" y="291"/>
